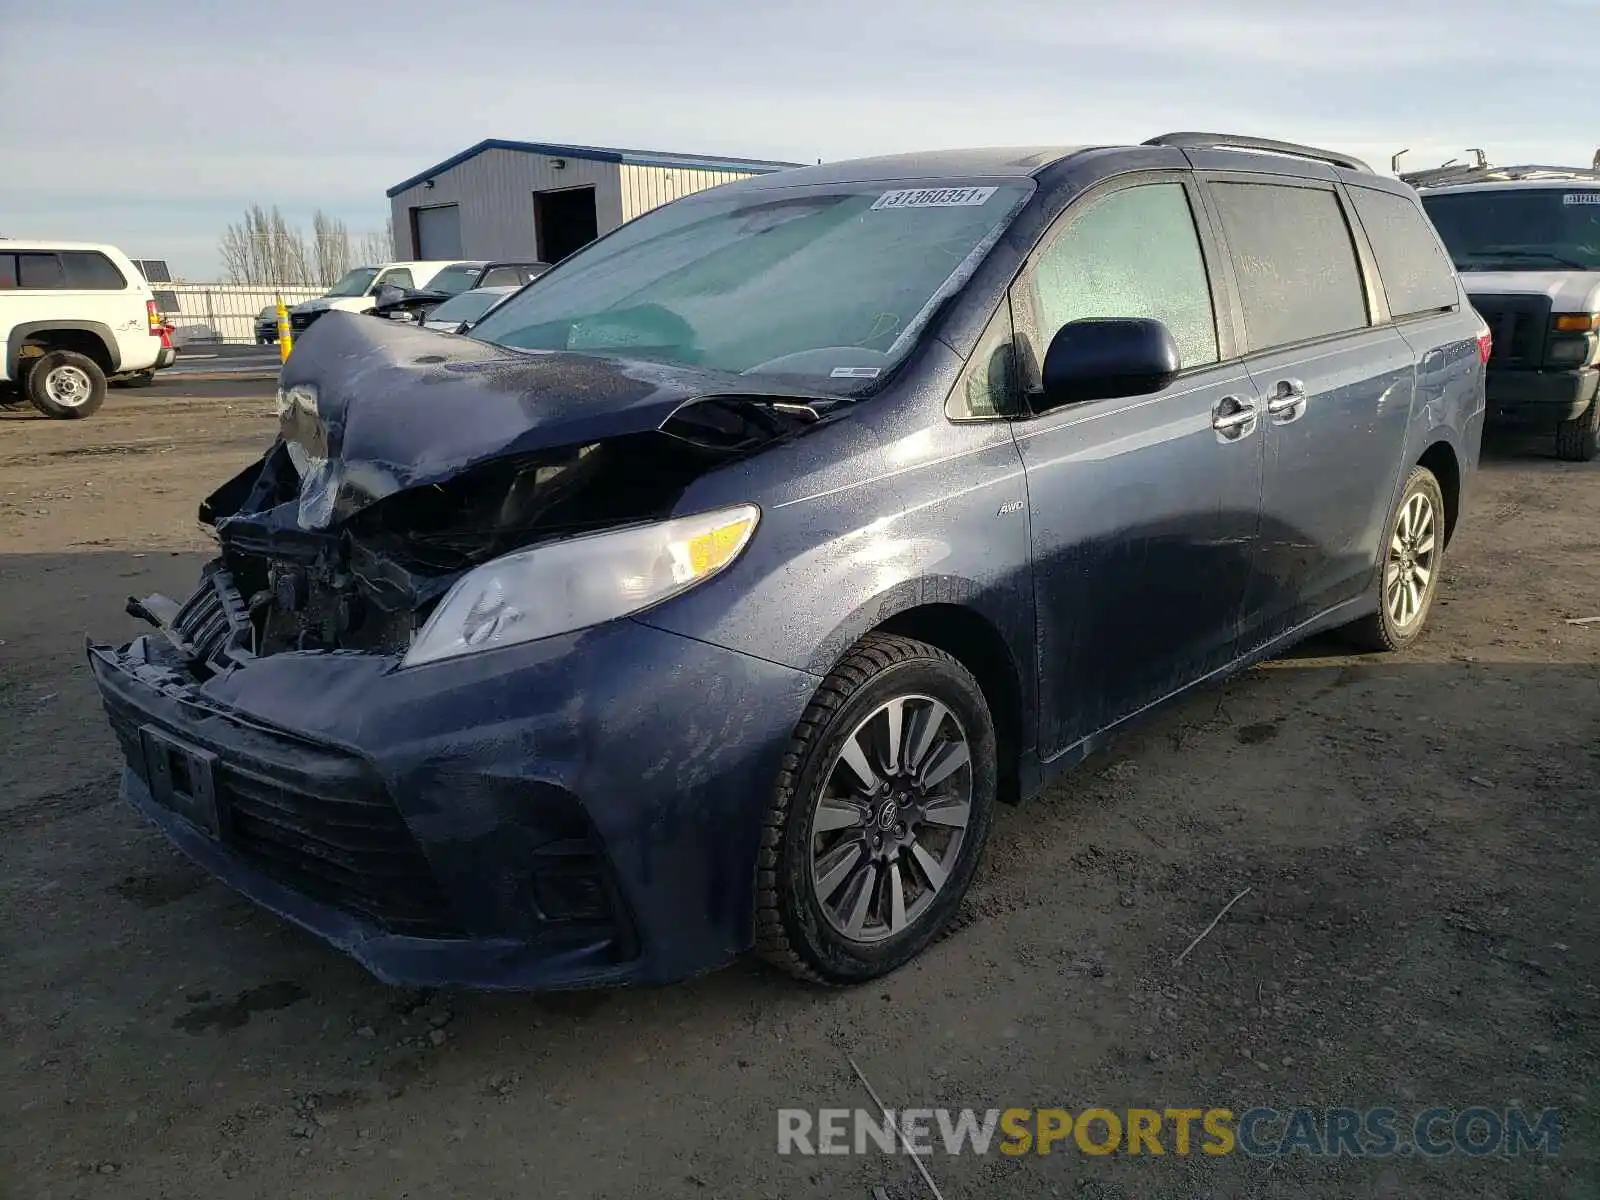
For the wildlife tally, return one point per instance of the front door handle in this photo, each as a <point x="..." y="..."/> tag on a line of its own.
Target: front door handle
<point x="1232" y="418"/>
<point x="1288" y="401"/>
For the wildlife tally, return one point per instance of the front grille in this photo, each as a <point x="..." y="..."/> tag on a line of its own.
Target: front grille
<point x="1519" y="326"/>
<point x="352" y="850"/>
<point x="301" y="320"/>
<point x="315" y="820"/>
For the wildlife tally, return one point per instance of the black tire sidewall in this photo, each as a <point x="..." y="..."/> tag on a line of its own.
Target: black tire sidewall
<point x="1578" y="440"/>
<point x="828" y="953"/>
<point x="1423" y="480"/>
<point x="41" y="369"/>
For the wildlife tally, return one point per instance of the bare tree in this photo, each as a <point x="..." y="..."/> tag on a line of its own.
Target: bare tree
<point x="330" y="247"/>
<point x="376" y="246"/>
<point x="265" y="248"/>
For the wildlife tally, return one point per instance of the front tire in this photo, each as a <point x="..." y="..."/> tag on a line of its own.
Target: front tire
<point x="1578" y="440"/>
<point x="66" y="385"/>
<point x="1411" y="561"/>
<point x="880" y="814"/>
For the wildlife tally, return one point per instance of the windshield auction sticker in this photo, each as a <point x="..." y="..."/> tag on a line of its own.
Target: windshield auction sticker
<point x="960" y="197"/>
<point x="1569" y="198"/>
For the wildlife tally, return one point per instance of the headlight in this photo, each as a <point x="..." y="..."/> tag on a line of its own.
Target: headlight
<point x="582" y="581"/>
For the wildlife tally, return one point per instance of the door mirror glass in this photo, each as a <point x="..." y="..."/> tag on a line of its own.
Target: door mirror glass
<point x="1102" y="358"/>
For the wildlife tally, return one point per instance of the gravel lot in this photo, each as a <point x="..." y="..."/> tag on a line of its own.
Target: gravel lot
<point x="1419" y="834"/>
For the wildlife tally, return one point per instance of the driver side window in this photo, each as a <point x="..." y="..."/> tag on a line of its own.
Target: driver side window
<point x="1134" y="253"/>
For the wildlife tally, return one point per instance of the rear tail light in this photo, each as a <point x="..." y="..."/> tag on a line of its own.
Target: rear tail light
<point x="153" y="314"/>
<point x="1485" y="346"/>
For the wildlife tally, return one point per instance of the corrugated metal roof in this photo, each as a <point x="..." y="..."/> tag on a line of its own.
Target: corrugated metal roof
<point x="643" y="158"/>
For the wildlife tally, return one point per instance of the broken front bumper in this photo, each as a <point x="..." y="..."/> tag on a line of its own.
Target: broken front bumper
<point x="580" y="811"/>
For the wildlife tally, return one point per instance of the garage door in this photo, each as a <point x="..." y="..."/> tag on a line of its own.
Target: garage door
<point x="439" y="232"/>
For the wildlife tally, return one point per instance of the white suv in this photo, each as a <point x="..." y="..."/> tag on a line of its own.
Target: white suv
<point x="72" y="315"/>
<point x="358" y="290"/>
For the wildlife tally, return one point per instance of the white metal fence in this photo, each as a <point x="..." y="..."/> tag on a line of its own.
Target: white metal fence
<point x="209" y="313"/>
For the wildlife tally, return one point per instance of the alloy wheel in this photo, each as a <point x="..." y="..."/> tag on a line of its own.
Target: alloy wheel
<point x="1410" y="562"/>
<point x="891" y="818"/>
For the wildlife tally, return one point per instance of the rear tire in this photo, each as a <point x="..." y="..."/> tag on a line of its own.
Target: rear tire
<point x="856" y="877"/>
<point x="66" y="385"/>
<point x="1578" y="440"/>
<point x="1410" y="563"/>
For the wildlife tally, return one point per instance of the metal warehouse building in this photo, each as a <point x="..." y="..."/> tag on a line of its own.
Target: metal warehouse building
<point x="530" y="200"/>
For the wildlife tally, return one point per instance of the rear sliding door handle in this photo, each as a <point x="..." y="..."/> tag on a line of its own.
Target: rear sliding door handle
<point x="1288" y="401"/>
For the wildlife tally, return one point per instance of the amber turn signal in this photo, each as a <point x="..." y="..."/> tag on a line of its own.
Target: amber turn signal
<point x="1575" y="322"/>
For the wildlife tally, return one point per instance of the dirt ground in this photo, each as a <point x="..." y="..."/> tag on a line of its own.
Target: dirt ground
<point x="1419" y="834"/>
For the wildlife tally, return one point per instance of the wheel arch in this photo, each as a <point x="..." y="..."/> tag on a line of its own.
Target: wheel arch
<point x="1440" y="458"/>
<point x="967" y="622"/>
<point x="978" y="646"/>
<point x="90" y="338"/>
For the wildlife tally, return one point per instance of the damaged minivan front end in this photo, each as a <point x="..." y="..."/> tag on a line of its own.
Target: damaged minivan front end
<point x="315" y="723"/>
<point x="536" y="657"/>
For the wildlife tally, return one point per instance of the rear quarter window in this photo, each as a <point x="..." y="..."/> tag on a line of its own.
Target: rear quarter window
<point x="8" y="272"/>
<point x="88" y="270"/>
<point x="40" y="272"/>
<point x="1295" y="263"/>
<point x="1417" y="276"/>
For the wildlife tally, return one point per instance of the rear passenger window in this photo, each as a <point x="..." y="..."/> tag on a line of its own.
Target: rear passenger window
<point x="87" y="270"/>
<point x="40" y="271"/>
<point x="8" y="271"/>
<point x="400" y="278"/>
<point x="500" y="277"/>
<point x="1133" y="254"/>
<point x="1296" y="264"/>
<point x="1417" y="277"/>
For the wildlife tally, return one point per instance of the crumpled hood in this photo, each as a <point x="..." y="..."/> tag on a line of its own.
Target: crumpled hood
<point x="398" y="407"/>
<point x="1569" y="291"/>
<point x="318" y="304"/>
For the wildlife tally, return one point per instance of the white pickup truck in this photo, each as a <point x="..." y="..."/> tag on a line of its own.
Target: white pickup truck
<point x="358" y="289"/>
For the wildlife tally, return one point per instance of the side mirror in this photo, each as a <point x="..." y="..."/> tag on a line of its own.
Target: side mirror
<point x="388" y="297"/>
<point x="1103" y="358"/>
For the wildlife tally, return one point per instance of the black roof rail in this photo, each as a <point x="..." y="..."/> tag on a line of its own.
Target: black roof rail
<point x="1234" y="141"/>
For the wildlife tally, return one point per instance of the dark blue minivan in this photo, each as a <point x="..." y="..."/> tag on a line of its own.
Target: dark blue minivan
<point x="713" y="591"/>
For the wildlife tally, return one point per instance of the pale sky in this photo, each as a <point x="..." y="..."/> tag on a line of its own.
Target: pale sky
<point x="151" y="126"/>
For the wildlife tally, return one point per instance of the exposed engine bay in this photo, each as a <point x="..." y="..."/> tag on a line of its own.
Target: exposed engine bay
<point x="328" y="546"/>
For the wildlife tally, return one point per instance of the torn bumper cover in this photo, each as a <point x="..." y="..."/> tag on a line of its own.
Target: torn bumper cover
<point x="514" y="820"/>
